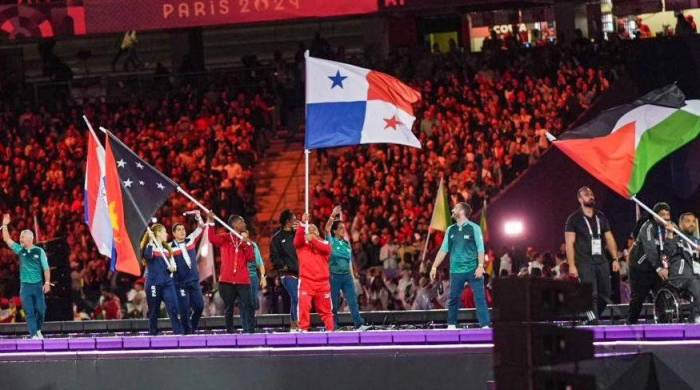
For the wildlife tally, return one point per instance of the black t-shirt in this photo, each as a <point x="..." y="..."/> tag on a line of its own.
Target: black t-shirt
<point x="576" y="223"/>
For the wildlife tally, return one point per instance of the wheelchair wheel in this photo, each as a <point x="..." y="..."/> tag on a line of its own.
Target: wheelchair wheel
<point x="666" y="307"/>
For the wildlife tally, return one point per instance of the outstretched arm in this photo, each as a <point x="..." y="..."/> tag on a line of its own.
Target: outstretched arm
<point x="5" y="232"/>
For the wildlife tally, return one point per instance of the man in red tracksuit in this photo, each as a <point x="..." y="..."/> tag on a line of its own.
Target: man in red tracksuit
<point x="234" y="280"/>
<point x="314" y="276"/>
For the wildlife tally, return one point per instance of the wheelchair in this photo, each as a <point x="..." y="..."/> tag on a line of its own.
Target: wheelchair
<point x="668" y="304"/>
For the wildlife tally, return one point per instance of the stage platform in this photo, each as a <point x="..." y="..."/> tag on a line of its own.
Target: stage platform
<point x="448" y="359"/>
<point x="608" y="339"/>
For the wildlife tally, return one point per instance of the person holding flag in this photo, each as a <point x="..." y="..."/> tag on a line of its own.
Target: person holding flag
<point x="465" y="245"/>
<point x="189" y="292"/>
<point x="234" y="280"/>
<point x="314" y="275"/>
<point x="33" y="266"/>
<point x="342" y="271"/>
<point x="160" y="284"/>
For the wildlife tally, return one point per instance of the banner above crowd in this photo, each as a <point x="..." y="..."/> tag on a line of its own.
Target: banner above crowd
<point x="110" y="16"/>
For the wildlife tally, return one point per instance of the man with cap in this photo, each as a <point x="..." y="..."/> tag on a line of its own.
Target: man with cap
<point x="587" y="234"/>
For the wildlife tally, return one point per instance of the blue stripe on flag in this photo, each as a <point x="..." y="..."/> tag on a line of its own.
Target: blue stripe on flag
<point x="334" y="124"/>
<point x="113" y="259"/>
<point x="86" y="207"/>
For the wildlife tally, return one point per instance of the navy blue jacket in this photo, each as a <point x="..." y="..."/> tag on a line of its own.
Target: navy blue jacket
<point x="157" y="273"/>
<point x="186" y="274"/>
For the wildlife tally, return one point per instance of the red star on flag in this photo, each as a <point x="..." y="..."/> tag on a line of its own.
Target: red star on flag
<point x="392" y="122"/>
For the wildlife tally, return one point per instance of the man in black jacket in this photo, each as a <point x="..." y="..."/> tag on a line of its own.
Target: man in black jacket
<point x="648" y="269"/>
<point x="681" y="256"/>
<point x="284" y="257"/>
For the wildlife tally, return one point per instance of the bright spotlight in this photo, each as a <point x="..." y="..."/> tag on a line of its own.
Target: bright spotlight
<point x="513" y="228"/>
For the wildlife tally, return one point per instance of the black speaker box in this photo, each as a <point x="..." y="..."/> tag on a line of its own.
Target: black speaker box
<point x="537" y="344"/>
<point x="537" y="299"/>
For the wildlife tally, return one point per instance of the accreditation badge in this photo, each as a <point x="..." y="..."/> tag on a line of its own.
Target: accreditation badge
<point x="596" y="247"/>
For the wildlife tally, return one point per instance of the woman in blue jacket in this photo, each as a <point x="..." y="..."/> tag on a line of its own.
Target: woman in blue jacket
<point x="160" y="284"/>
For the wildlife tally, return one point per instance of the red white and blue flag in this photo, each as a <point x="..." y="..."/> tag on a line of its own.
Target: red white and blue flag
<point x="95" y="198"/>
<point x="348" y="105"/>
<point x="135" y="191"/>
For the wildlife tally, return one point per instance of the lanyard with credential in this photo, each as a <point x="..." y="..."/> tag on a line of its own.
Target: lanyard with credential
<point x="590" y="230"/>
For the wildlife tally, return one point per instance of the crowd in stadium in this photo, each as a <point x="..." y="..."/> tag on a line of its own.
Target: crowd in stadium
<point x="208" y="140"/>
<point x="482" y="121"/>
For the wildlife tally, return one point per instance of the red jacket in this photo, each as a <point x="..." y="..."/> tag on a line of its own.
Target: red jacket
<point x="235" y="256"/>
<point x="314" y="257"/>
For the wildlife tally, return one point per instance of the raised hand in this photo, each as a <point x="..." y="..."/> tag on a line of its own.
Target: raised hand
<point x="6" y="219"/>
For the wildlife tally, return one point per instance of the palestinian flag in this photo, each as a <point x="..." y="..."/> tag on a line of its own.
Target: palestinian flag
<point x="442" y="217"/>
<point x="135" y="190"/>
<point x="621" y="145"/>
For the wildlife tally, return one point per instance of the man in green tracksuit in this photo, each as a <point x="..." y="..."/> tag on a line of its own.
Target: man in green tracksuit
<point x="32" y="263"/>
<point x="465" y="244"/>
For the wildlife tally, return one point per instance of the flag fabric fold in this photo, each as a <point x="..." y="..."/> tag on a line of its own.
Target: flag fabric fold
<point x="95" y="197"/>
<point x="135" y="191"/>
<point x="442" y="216"/>
<point x="205" y="256"/>
<point x="348" y="105"/>
<point x="621" y="145"/>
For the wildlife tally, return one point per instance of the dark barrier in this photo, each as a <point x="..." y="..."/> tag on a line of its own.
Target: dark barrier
<point x="441" y="369"/>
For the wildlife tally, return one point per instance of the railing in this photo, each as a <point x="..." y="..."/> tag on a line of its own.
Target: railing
<point x="120" y="86"/>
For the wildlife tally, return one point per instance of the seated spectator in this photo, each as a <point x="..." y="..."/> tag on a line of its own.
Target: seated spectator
<point x="136" y="305"/>
<point x="110" y="307"/>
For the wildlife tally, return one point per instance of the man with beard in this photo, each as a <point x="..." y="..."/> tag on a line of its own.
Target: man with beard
<point x="647" y="269"/>
<point x="464" y="243"/>
<point x="681" y="255"/>
<point x="586" y="231"/>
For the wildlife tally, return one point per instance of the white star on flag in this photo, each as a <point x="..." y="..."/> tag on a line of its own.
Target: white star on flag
<point x="141" y="182"/>
<point x="139" y="165"/>
<point x="160" y="186"/>
<point x="127" y="183"/>
<point x="121" y="163"/>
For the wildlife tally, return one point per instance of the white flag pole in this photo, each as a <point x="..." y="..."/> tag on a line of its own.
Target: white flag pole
<point x="186" y="194"/>
<point x="658" y="218"/>
<point x="307" y="152"/>
<point x="649" y="210"/>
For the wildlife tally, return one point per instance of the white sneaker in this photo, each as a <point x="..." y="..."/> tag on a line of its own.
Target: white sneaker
<point x="39" y="335"/>
<point x="451" y="327"/>
<point x="697" y="319"/>
<point x="364" y="328"/>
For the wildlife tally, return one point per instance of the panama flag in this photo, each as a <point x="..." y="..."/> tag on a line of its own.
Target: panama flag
<point x="95" y="198"/>
<point x="348" y="105"/>
<point x="621" y="145"/>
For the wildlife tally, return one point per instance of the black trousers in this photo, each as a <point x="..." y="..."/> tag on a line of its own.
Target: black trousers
<point x="691" y="285"/>
<point x="642" y="282"/>
<point x="241" y="292"/>
<point x="598" y="276"/>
